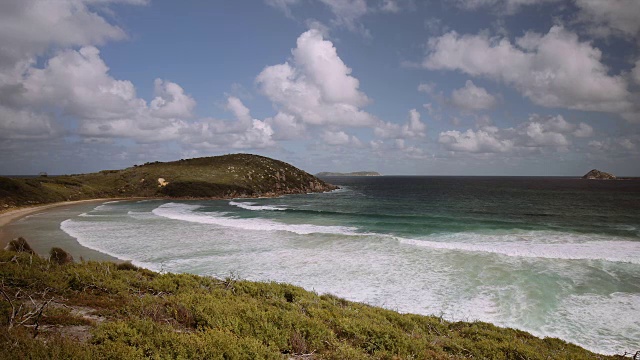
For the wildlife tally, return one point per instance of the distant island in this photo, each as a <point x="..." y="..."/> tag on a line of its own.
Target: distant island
<point x="599" y="175"/>
<point x="227" y="176"/>
<point x="355" y="173"/>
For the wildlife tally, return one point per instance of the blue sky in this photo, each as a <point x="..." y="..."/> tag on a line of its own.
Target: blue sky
<point x="464" y="87"/>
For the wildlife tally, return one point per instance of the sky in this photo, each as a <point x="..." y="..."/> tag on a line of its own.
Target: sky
<point x="404" y="87"/>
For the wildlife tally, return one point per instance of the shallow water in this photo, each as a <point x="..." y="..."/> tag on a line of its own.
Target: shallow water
<point x="555" y="257"/>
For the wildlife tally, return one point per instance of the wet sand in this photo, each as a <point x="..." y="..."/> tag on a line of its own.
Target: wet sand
<point x="42" y="244"/>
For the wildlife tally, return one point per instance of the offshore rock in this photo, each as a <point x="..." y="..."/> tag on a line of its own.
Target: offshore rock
<point x="598" y="175"/>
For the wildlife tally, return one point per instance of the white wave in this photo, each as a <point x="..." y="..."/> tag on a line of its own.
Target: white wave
<point x="613" y="317"/>
<point x="252" y="206"/>
<point x="186" y="213"/>
<point x="539" y="244"/>
<point x="71" y="227"/>
<point x="89" y="215"/>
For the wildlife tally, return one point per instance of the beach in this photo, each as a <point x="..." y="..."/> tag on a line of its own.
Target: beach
<point x="502" y="250"/>
<point x="42" y="244"/>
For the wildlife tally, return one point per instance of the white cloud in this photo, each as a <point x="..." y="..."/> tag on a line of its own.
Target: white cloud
<point x="396" y="6"/>
<point x="283" y="5"/>
<point x="29" y="27"/>
<point x="607" y="18"/>
<point x="317" y="87"/>
<point x="347" y="13"/>
<point x="635" y="73"/>
<point x="244" y="132"/>
<point x="553" y="70"/>
<point x="286" y="127"/>
<point x="238" y="109"/>
<point x="339" y="138"/>
<point x="25" y="124"/>
<point x="538" y="132"/>
<point x="583" y="131"/>
<point x="78" y="83"/>
<point x="428" y="88"/>
<point x="171" y="101"/>
<point x="472" y="98"/>
<point x="480" y="141"/>
<point x="391" y="6"/>
<point x="413" y="128"/>
<point x="616" y="146"/>
<point x="500" y="6"/>
<point x="538" y="135"/>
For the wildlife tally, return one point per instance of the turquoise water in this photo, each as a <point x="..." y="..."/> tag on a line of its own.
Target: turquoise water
<point x="555" y="257"/>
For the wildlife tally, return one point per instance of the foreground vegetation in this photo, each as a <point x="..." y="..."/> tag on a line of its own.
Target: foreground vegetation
<point x="236" y="175"/>
<point x="94" y="310"/>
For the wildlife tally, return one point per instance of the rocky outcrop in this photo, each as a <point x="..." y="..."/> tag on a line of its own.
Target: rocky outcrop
<point x="598" y="175"/>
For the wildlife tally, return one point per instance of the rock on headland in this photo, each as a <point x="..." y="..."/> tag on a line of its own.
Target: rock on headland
<point x="598" y="175"/>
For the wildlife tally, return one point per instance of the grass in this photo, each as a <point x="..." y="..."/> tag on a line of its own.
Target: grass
<point x="236" y="175"/>
<point x="133" y="313"/>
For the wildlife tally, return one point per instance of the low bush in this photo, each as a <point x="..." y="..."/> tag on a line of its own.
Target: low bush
<point x="60" y="256"/>
<point x="19" y="245"/>
<point x="182" y="316"/>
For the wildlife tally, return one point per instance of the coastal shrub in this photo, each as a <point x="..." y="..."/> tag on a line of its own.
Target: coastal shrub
<point x="59" y="256"/>
<point x="127" y="266"/>
<point x="183" y="316"/>
<point x="198" y="189"/>
<point x="19" y="245"/>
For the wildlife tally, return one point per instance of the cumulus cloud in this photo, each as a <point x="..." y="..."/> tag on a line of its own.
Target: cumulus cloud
<point x="635" y="73"/>
<point x="607" y="18"/>
<point x="622" y="146"/>
<point x="171" y="101"/>
<point x="413" y="128"/>
<point x="553" y="70"/>
<point x="316" y="87"/>
<point x="583" y="130"/>
<point x="479" y="141"/>
<point x="396" y="6"/>
<point x="538" y="132"/>
<point x="339" y="138"/>
<point x="500" y="6"/>
<point x="472" y="98"/>
<point x="244" y="132"/>
<point x="29" y="27"/>
<point x="25" y="124"/>
<point x="78" y="83"/>
<point x="286" y="127"/>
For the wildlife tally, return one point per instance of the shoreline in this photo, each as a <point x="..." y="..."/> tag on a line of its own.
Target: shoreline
<point x="10" y="216"/>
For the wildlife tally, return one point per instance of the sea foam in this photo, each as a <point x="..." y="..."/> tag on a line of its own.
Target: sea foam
<point x="537" y="244"/>
<point x="186" y="212"/>
<point x="253" y="207"/>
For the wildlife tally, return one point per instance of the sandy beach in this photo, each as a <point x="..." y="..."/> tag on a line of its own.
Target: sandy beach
<point x="8" y="217"/>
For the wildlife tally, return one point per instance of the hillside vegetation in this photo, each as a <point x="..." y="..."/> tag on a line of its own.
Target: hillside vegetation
<point x="98" y="310"/>
<point x="237" y="175"/>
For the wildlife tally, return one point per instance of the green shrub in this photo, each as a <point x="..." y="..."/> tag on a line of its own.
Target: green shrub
<point x="126" y="266"/>
<point x="19" y="245"/>
<point x="59" y="256"/>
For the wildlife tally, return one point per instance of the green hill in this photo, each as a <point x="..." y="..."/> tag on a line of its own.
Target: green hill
<point x="57" y="310"/>
<point x="236" y="175"/>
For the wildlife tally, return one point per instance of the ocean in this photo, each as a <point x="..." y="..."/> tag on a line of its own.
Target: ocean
<point x="556" y="257"/>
